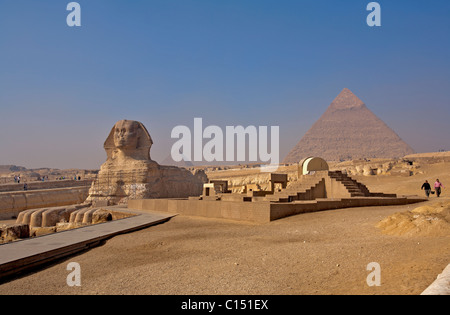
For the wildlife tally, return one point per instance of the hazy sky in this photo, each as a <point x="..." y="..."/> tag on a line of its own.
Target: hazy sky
<point x="230" y="62"/>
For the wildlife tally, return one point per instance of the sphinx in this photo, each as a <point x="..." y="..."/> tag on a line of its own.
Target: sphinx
<point x="130" y="173"/>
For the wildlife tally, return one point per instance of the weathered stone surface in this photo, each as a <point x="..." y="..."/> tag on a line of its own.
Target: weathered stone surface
<point x="12" y="203"/>
<point x="53" y="184"/>
<point x="13" y="232"/>
<point x="40" y="231"/>
<point x="64" y="226"/>
<point x="129" y="172"/>
<point x="47" y="217"/>
<point x="101" y="216"/>
<point x="38" y="222"/>
<point x="60" y="214"/>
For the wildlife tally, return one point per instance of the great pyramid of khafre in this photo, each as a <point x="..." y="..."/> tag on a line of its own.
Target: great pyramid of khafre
<point x="348" y="130"/>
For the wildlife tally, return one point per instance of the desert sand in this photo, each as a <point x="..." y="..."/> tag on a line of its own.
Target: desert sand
<point x="316" y="253"/>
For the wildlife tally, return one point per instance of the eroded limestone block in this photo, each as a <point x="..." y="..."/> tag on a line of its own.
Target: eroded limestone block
<point x="13" y="232"/>
<point x="36" y="218"/>
<point x="47" y="217"/>
<point x="25" y="216"/>
<point x="101" y="216"/>
<point x="40" y="231"/>
<point x="64" y="226"/>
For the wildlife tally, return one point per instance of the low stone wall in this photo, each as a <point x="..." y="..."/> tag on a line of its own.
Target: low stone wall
<point x="259" y="211"/>
<point x="234" y="210"/>
<point x="12" y="203"/>
<point x="46" y="185"/>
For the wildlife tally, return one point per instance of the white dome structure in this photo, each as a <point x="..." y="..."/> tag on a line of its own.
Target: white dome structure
<point x="312" y="164"/>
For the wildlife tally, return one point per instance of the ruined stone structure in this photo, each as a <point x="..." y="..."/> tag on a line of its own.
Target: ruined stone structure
<point x="317" y="191"/>
<point x="348" y="130"/>
<point x="13" y="202"/>
<point x="56" y="219"/>
<point x="130" y="173"/>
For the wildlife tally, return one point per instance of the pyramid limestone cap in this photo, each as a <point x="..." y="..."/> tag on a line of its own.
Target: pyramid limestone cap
<point x="346" y="100"/>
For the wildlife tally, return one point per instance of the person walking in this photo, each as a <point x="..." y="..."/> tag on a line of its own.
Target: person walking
<point x="437" y="187"/>
<point x="427" y="187"/>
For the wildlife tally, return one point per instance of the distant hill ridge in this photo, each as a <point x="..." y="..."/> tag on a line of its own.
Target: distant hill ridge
<point x="12" y="168"/>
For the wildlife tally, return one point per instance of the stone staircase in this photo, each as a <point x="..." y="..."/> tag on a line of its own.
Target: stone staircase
<point x="311" y="187"/>
<point x="304" y="190"/>
<point x="355" y="188"/>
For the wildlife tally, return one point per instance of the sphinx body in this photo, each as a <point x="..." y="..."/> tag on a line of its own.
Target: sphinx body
<point x="130" y="173"/>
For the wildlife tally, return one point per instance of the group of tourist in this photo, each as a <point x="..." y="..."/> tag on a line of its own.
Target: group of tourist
<point x="437" y="188"/>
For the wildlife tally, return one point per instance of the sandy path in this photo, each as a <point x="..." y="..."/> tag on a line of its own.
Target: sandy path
<point x="316" y="253"/>
<point x="409" y="185"/>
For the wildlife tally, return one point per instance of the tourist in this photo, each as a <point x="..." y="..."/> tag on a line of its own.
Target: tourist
<point x="437" y="187"/>
<point x="427" y="187"/>
<point x="25" y="186"/>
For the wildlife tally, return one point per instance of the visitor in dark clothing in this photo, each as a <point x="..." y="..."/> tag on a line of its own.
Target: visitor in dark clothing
<point x="427" y="187"/>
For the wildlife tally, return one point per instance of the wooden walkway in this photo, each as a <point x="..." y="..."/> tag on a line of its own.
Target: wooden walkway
<point x="20" y="256"/>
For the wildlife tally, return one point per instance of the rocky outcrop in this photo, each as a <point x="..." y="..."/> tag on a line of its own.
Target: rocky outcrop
<point x="429" y="220"/>
<point x="9" y="233"/>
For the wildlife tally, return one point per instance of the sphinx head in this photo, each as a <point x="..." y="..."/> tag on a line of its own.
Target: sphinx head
<point x="128" y="139"/>
<point x="126" y="134"/>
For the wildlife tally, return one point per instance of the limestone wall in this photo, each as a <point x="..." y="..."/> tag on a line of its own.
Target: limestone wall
<point x="238" y="182"/>
<point x="12" y="203"/>
<point x="258" y="211"/>
<point x="46" y="185"/>
<point x="234" y="210"/>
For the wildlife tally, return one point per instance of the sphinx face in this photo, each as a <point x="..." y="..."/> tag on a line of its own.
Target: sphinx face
<point x="126" y="135"/>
